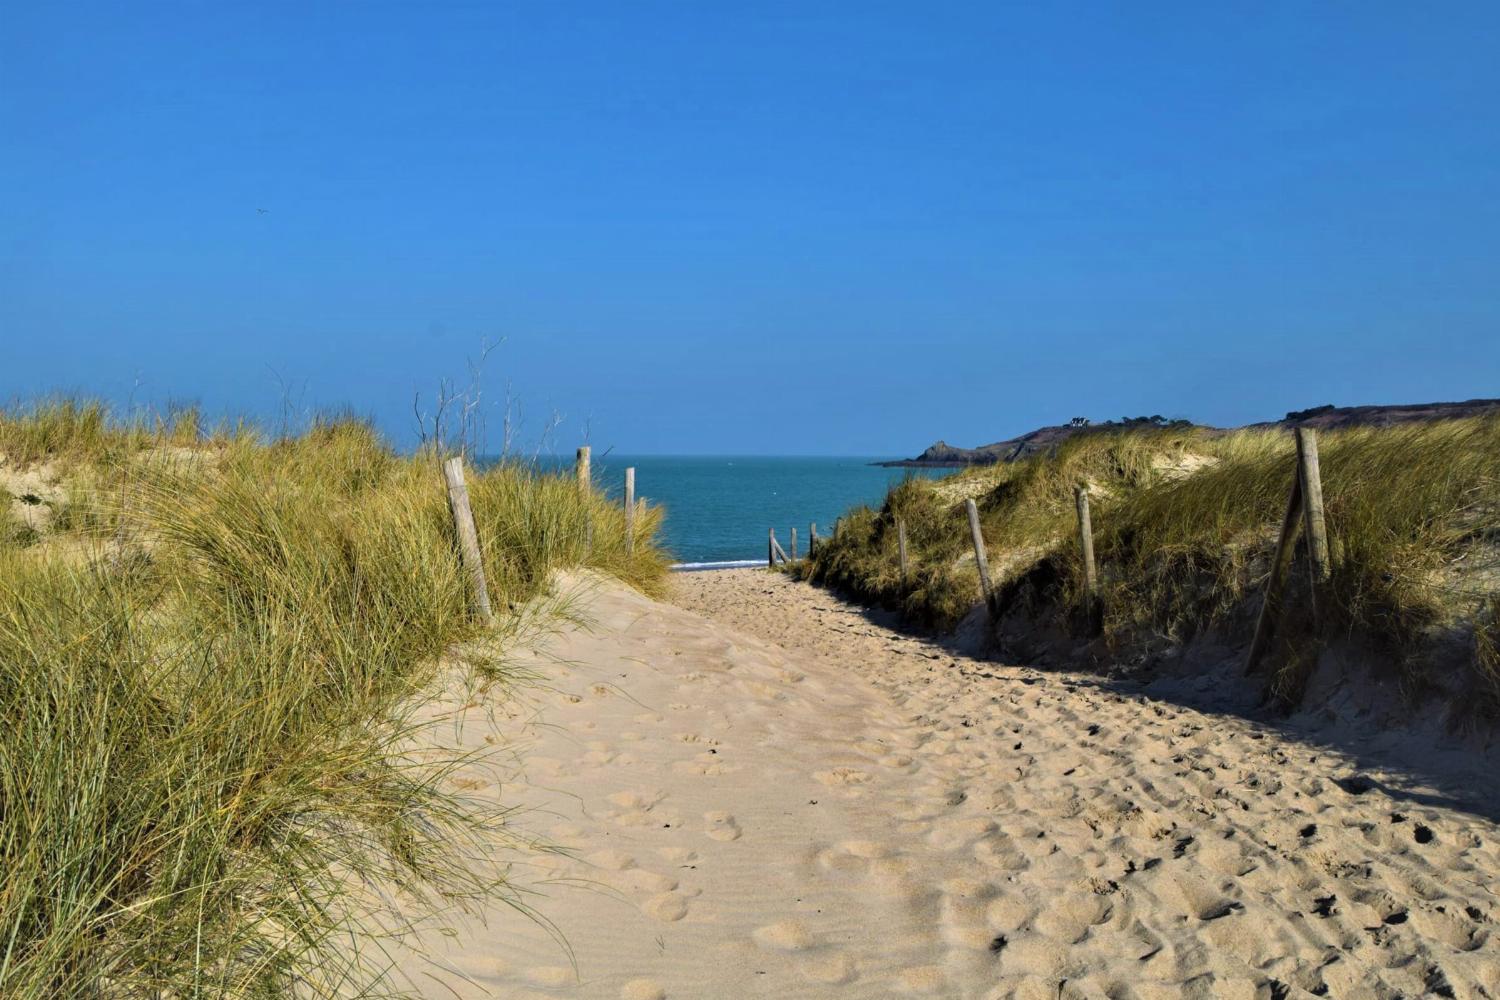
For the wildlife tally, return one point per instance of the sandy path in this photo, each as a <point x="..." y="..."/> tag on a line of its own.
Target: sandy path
<point x="804" y="804"/>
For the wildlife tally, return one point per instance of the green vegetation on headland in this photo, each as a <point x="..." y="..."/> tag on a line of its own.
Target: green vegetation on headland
<point x="211" y="648"/>
<point x="1325" y="417"/>
<point x="1185" y="521"/>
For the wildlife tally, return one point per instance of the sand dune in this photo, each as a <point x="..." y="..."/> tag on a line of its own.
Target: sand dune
<point x="793" y="801"/>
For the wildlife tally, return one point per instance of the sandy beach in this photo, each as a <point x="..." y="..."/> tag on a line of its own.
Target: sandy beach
<point x="760" y="791"/>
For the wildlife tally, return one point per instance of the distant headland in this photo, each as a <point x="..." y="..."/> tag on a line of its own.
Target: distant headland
<point x="944" y="455"/>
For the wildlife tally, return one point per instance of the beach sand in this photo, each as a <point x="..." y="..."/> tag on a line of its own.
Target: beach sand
<point x="765" y="792"/>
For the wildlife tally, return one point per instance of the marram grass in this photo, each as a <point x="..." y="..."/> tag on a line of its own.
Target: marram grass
<point x="1184" y="524"/>
<point x="208" y="678"/>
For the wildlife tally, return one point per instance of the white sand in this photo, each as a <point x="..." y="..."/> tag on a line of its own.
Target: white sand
<point x="854" y="813"/>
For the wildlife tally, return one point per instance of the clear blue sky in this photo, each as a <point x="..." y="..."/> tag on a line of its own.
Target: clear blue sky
<point x="760" y="227"/>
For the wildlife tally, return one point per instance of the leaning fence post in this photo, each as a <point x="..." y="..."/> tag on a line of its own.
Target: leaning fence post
<point x="794" y="543"/>
<point x="1270" y="602"/>
<point x="630" y="509"/>
<point x="1086" y="540"/>
<point x="776" y="550"/>
<point x="1312" y="509"/>
<point x="468" y="536"/>
<point x="980" y="559"/>
<point x="901" y="545"/>
<point x="584" y="476"/>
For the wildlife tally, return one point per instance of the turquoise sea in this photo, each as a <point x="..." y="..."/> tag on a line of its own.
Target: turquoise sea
<point x="719" y="507"/>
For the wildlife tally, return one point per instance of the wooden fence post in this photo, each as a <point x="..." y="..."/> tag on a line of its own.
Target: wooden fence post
<point x="585" y="479"/>
<point x="1270" y="602"/>
<point x="980" y="559"/>
<point x="1086" y="540"/>
<point x="585" y="487"/>
<point x="771" y="549"/>
<point x="777" y="552"/>
<point x="793" y="530"/>
<point x="1312" y="511"/>
<point x="630" y="509"/>
<point x="901" y="545"/>
<point x="468" y="536"/>
<point x="812" y="538"/>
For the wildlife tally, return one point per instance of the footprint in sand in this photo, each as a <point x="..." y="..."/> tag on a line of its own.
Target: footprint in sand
<point x="843" y="776"/>
<point x="636" y="800"/>
<point x="668" y="907"/>
<point x="722" y="826"/>
<point x="1009" y="913"/>
<point x="787" y="935"/>
<point x="641" y="880"/>
<point x="1070" y="916"/>
<point x="642" y="989"/>
<point x="611" y="860"/>
<point x="865" y="848"/>
<point x="968" y="938"/>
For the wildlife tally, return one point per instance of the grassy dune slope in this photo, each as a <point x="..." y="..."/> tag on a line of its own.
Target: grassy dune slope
<point x="209" y="647"/>
<point x="1185" y="522"/>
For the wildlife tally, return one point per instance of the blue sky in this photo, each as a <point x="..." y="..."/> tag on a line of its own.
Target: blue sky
<point x="768" y="228"/>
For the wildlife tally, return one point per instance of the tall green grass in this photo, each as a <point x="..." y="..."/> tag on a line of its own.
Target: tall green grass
<point x="208" y="694"/>
<point x="1185" y="521"/>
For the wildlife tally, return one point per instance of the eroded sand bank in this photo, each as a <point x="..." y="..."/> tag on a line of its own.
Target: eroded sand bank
<point x="792" y="801"/>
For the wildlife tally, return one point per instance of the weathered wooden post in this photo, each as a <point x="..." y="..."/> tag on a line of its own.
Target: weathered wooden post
<point x="771" y="548"/>
<point x="1271" y="600"/>
<point x="630" y="509"/>
<point x="1086" y="540"/>
<point x="777" y="552"/>
<point x="1312" y="511"/>
<point x="584" y="475"/>
<point x="980" y="559"/>
<point x="812" y="538"/>
<point x="901" y="544"/>
<point x="585" y="488"/>
<point x="794" y="543"/>
<point x="468" y="536"/>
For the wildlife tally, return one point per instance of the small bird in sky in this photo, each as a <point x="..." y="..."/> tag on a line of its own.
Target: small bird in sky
<point x="264" y="211"/>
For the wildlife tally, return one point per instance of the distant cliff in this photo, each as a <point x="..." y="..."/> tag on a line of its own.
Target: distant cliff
<point x="944" y="455"/>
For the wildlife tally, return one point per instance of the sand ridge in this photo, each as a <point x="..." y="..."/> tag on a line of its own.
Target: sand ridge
<point x="792" y="801"/>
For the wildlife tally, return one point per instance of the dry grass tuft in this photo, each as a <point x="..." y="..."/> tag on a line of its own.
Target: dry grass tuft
<point x="208" y="671"/>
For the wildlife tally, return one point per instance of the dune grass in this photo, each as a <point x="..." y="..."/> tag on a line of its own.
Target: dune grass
<point x="1184" y="524"/>
<point x="209" y="671"/>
